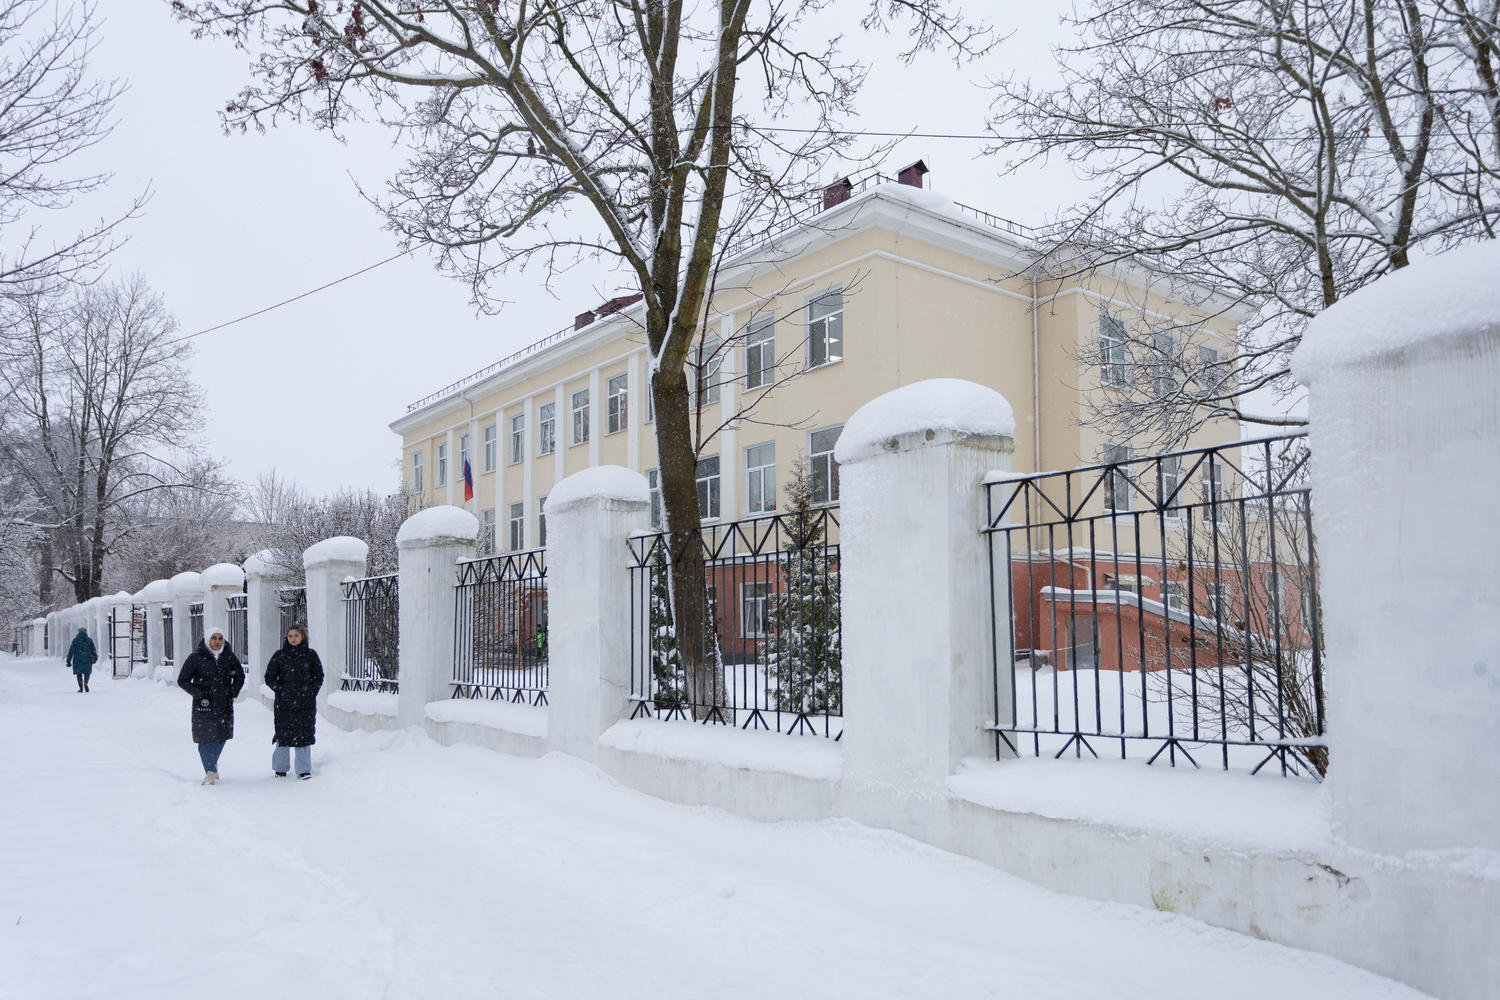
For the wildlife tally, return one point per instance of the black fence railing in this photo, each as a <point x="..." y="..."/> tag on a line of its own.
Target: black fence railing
<point x="167" y="639"/>
<point x="756" y="638"/>
<point x="500" y="628"/>
<point x="292" y="602"/>
<point x="238" y="613"/>
<point x="1164" y="607"/>
<point x="138" y="620"/>
<point x="372" y="634"/>
<point x="195" y="623"/>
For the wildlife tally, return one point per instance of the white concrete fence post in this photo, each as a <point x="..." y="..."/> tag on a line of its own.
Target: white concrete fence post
<point x="328" y="564"/>
<point x="221" y="581"/>
<point x="158" y="593"/>
<point x="590" y="518"/>
<point x="263" y="580"/>
<point x="1405" y="441"/>
<point x="429" y="544"/>
<point x="186" y="588"/>
<point x="915" y="585"/>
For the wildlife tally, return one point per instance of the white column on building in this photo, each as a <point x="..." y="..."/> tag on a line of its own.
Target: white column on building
<point x="474" y="446"/>
<point x="730" y="459"/>
<point x="562" y="433"/>
<point x="327" y="565"/>
<point x="451" y="438"/>
<point x="430" y="542"/>
<point x="918" y="662"/>
<point x="591" y="515"/>
<point x="528" y="451"/>
<point x="636" y="415"/>
<point x="596" y="416"/>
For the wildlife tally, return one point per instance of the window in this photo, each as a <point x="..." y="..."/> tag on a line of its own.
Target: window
<point x="487" y="531"/>
<point x="653" y="481"/>
<point x="580" y="416"/>
<point x="442" y="465"/>
<point x="755" y="605"/>
<point x="416" y="471"/>
<point x="616" y="403"/>
<point x="760" y="352"/>
<point x="1113" y="357"/>
<point x="517" y="526"/>
<point x="1174" y="595"/>
<point x="541" y="522"/>
<point x="708" y="487"/>
<point x="650" y="401"/>
<point x="463" y="452"/>
<point x="825" y="329"/>
<point x="1164" y="347"/>
<point x="1220" y="601"/>
<point x="1117" y="481"/>
<point x="1210" y="375"/>
<point x="1171" y="479"/>
<point x="546" y="429"/>
<point x="821" y="463"/>
<point x="490" y="434"/>
<point x="1215" y="497"/>
<point x="704" y="362"/>
<point x="1128" y="584"/>
<point x="760" y="478"/>
<point x="517" y="438"/>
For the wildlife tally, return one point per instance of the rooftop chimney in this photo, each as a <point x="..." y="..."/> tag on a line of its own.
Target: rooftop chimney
<point x="912" y="174"/>
<point x="837" y="193"/>
<point x="583" y="319"/>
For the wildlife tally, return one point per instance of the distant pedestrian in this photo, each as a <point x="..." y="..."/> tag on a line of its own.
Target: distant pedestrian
<point x="81" y="657"/>
<point x="295" y="673"/>
<point x="213" y="676"/>
<point x="541" y="643"/>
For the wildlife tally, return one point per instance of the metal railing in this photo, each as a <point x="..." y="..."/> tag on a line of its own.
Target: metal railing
<point x="1164" y="606"/>
<point x="138" y="652"/>
<point x="167" y="638"/>
<point x="292" y="603"/>
<point x="762" y="643"/>
<point x="238" y="612"/>
<point x="372" y="634"/>
<point x="195" y="623"/>
<point x="500" y="628"/>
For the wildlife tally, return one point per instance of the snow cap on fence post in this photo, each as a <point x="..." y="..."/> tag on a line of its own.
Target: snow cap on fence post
<point x="590" y="518"/>
<point x="429" y="545"/>
<point x="220" y="582"/>
<point x="915" y="582"/>
<point x="1405" y="440"/>
<point x="326" y="564"/>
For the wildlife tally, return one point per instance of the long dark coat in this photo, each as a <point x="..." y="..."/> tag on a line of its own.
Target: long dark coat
<point x="217" y="681"/>
<point x="295" y="673"/>
<point x="82" y="654"/>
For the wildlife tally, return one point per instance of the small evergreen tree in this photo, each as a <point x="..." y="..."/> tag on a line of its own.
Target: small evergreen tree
<point x="669" y="688"/>
<point x="805" y="652"/>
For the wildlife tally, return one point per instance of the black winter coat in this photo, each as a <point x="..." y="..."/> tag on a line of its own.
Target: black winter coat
<point x="295" y="673"/>
<point x="216" y="681"/>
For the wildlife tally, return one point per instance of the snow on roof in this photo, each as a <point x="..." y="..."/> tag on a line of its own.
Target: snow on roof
<point x="186" y="585"/>
<point x="223" y="575"/>
<point x="158" y="591"/>
<point x="339" y="548"/>
<point x="1435" y="299"/>
<point x="435" y="525"/>
<point x="609" y="482"/>
<point x="946" y="408"/>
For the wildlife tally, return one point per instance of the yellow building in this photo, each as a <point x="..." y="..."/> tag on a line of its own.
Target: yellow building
<point x="885" y="286"/>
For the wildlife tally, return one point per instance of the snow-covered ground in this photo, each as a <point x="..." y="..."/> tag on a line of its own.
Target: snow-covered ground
<point x="406" y="869"/>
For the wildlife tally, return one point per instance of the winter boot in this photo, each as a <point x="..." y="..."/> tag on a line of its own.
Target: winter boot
<point x="281" y="774"/>
<point x="305" y="775"/>
<point x="208" y="778"/>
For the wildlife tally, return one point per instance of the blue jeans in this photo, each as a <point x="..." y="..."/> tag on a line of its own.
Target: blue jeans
<point x="280" y="754"/>
<point x="209" y="754"/>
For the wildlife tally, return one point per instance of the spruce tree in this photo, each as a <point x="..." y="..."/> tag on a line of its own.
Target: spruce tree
<point x="805" y="652"/>
<point x="669" y="690"/>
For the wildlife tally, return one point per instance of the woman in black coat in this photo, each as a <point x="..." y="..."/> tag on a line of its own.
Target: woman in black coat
<point x="295" y="673"/>
<point x="213" y="676"/>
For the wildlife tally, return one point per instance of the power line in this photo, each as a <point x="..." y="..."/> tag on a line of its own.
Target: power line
<point x="294" y="298"/>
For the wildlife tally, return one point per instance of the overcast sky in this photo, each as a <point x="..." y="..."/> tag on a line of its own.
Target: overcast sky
<point x="239" y="222"/>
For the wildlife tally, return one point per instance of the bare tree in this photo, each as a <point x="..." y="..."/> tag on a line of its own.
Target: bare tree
<point x="271" y="497"/>
<point x="50" y="110"/>
<point x="1262" y="154"/>
<point x="96" y="409"/>
<point x="545" y="131"/>
<point x="364" y="514"/>
<point x="170" y="531"/>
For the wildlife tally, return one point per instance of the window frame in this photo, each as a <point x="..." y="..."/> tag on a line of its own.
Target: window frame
<point x="616" y="403"/>
<point x="813" y="322"/>
<point x="710" y="499"/>
<point x="653" y="492"/>
<point x="541" y="521"/>
<point x="831" y="473"/>
<point x="580" y="417"/>
<point x="517" y="438"/>
<point x="516" y="525"/>
<point x="440" y="473"/>
<point x="546" y="428"/>
<point x="1114" y="350"/>
<point x="489" y="443"/>
<point x="755" y="475"/>
<point x="416" y="471"/>
<point x="1117" y="482"/>
<point x="760" y="337"/>
<point x="757" y="594"/>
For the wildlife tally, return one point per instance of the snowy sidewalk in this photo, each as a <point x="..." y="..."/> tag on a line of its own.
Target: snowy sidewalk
<point x="405" y="869"/>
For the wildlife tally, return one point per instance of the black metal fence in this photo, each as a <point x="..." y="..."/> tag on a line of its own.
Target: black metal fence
<point x="167" y="639"/>
<point x="138" y="653"/>
<point x="1164" y="607"/>
<point x="500" y="628"/>
<point x="195" y="624"/>
<point x="239" y="625"/>
<point x="372" y="633"/>
<point x="293" y="604"/>
<point x="755" y="638"/>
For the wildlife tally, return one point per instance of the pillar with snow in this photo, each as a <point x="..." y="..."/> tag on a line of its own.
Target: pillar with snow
<point x="263" y="578"/>
<point x="328" y="564"/>
<point x="430" y="543"/>
<point x="918" y="659"/>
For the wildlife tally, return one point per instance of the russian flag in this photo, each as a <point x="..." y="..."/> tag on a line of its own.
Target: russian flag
<point x="468" y="482"/>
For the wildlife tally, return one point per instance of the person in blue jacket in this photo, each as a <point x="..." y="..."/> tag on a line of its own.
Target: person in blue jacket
<point x="81" y="657"/>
